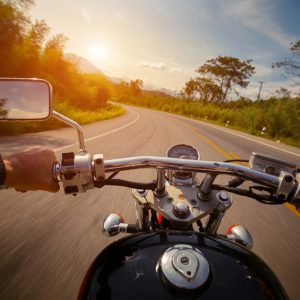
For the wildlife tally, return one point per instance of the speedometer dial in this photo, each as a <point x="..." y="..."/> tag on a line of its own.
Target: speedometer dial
<point x="183" y="151"/>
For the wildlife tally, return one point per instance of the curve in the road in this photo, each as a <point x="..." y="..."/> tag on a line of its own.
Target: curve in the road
<point x="100" y="135"/>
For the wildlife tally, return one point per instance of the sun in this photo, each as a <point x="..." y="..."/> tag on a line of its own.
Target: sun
<point x="98" y="52"/>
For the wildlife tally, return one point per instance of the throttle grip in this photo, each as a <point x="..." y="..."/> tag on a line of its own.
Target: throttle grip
<point x="295" y="201"/>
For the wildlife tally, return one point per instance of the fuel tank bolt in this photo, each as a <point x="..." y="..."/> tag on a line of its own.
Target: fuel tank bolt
<point x="181" y="210"/>
<point x="170" y="199"/>
<point x="194" y="202"/>
<point x="223" y="196"/>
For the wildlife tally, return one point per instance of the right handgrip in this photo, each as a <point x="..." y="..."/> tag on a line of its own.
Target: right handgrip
<point x="295" y="199"/>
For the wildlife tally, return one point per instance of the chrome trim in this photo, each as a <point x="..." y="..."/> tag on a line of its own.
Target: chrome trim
<point x="110" y="225"/>
<point x="161" y="180"/>
<point x="142" y="217"/>
<point x="141" y="162"/>
<point x="184" y="267"/>
<point x="240" y="235"/>
<point x="74" y="125"/>
<point x="214" y="223"/>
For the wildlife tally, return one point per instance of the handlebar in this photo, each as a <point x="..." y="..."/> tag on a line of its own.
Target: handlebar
<point x="81" y="172"/>
<point x="199" y="166"/>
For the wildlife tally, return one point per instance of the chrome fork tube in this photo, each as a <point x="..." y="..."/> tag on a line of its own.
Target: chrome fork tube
<point x="142" y="217"/>
<point x="161" y="183"/>
<point x="213" y="223"/>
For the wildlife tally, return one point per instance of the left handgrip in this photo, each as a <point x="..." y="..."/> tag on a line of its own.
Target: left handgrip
<point x="78" y="172"/>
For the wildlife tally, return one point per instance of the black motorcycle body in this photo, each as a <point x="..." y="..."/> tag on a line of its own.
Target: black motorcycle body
<point x="130" y="269"/>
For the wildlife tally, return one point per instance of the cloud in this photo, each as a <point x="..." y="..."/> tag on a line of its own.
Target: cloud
<point x="176" y="70"/>
<point x="260" y="16"/>
<point x="86" y="15"/>
<point x="120" y="15"/>
<point x="262" y="70"/>
<point x="157" y="66"/>
<point x="268" y="89"/>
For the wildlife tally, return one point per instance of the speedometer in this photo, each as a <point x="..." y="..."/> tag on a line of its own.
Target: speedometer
<point x="183" y="151"/>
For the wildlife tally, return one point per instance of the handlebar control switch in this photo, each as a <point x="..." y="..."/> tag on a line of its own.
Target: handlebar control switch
<point x="75" y="172"/>
<point x="296" y="197"/>
<point x="286" y="184"/>
<point x="98" y="164"/>
<point x="270" y="165"/>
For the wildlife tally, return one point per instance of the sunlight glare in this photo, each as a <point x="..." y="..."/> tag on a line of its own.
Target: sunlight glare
<point x="98" y="52"/>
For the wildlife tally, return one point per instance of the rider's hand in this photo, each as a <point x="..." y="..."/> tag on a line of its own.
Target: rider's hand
<point x="31" y="170"/>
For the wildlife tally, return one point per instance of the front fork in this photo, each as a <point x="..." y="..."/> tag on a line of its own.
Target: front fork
<point x="142" y="216"/>
<point x="150" y="220"/>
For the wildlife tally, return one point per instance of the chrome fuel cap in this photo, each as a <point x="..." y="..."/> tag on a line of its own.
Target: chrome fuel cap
<point x="184" y="267"/>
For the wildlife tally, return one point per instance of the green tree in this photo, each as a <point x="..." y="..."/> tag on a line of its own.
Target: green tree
<point x="190" y="89"/>
<point x="227" y="72"/>
<point x="3" y="112"/>
<point x="135" y="87"/>
<point x="291" y="65"/>
<point x="38" y="33"/>
<point x="283" y="93"/>
<point x="13" y="22"/>
<point x="208" y="90"/>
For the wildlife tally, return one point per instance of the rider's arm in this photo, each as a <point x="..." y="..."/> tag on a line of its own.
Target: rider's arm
<point x="31" y="171"/>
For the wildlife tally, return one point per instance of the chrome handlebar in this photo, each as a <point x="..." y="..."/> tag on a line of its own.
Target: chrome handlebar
<point x="81" y="172"/>
<point x="199" y="166"/>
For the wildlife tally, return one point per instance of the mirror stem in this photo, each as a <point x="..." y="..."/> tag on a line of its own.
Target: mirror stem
<point x="74" y="125"/>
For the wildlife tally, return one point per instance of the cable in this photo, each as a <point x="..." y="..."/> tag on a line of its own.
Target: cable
<point x="125" y="183"/>
<point x="237" y="160"/>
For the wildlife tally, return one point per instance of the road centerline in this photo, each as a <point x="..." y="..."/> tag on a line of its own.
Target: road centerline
<point x="207" y="140"/>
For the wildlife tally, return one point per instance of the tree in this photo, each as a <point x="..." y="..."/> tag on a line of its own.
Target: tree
<point x="283" y="93"/>
<point x="208" y="90"/>
<point x="13" y="24"/>
<point x="291" y="65"/>
<point x="3" y="112"/>
<point x="190" y="89"/>
<point x="227" y="71"/>
<point x="135" y="87"/>
<point x="202" y="88"/>
<point x="38" y="33"/>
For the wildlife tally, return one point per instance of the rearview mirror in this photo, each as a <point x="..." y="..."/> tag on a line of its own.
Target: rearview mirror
<point x="25" y="99"/>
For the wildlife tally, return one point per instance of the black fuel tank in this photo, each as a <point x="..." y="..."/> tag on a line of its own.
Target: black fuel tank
<point x="128" y="269"/>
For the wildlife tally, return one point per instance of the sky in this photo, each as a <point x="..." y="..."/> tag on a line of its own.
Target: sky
<point x="163" y="42"/>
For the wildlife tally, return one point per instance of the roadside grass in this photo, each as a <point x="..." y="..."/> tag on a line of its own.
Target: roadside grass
<point x="280" y="117"/>
<point x="80" y="116"/>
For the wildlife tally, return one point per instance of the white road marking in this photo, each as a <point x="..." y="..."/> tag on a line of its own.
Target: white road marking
<point x="100" y="135"/>
<point x="242" y="136"/>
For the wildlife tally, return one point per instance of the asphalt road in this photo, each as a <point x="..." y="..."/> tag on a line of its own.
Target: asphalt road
<point x="47" y="241"/>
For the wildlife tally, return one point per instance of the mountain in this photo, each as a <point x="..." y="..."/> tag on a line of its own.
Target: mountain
<point x="82" y="64"/>
<point x="85" y="66"/>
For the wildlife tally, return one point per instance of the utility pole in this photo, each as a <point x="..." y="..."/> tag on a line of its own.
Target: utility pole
<point x="260" y="87"/>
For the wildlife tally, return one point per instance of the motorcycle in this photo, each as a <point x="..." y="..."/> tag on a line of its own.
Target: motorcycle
<point x="174" y="250"/>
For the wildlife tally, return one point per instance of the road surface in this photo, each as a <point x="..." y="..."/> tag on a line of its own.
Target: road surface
<point x="47" y="241"/>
